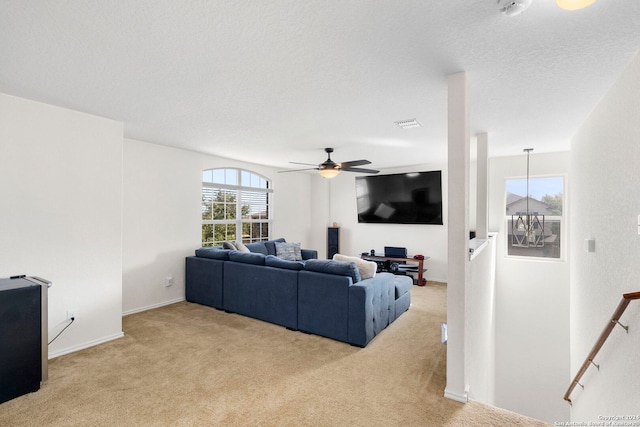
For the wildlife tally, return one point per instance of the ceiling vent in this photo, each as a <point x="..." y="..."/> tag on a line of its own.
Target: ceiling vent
<point x="408" y="124"/>
<point x="513" y="7"/>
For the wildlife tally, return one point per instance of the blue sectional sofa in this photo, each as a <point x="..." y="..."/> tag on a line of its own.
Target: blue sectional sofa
<point x="322" y="297"/>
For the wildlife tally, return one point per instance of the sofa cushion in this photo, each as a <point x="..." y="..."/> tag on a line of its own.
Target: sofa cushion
<point x="289" y="251"/>
<point x="229" y="245"/>
<point x="258" y="247"/>
<point x="213" y="253"/>
<point x="309" y="253"/>
<point x="271" y="245"/>
<point x="247" y="257"/>
<point x="274" y="261"/>
<point x="366" y="268"/>
<point x="403" y="284"/>
<point x="339" y="268"/>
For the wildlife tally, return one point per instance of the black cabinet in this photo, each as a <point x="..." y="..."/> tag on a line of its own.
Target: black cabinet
<point x="21" y="346"/>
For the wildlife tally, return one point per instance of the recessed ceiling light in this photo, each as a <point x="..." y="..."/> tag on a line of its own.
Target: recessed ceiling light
<point x="408" y="124"/>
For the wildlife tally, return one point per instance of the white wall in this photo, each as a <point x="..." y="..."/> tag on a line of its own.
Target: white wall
<point x="334" y="200"/>
<point x="605" y="155"/>
<point x="162" y="190"/>
<point x="292" y="207"/>
<point x="480" y="324"/>
<point x="107" y="224"/>
<point x="532" y="306"/>
<point x="162" y="217"/>
<point x="61" y="192"/>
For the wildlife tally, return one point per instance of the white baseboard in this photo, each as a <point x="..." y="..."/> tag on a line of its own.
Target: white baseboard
<point x="111" y="337"/>
<point x="152" y="306"/>
<point x="464" y="398"/>
<point x="85" y="345"/>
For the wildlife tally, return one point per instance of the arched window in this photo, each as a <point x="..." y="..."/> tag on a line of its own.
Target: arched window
<point x="236" y="206"/>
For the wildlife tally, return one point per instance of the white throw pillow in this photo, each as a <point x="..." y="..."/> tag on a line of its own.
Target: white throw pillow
<point x="241" y="246"/>
<point x="366" y="268"/>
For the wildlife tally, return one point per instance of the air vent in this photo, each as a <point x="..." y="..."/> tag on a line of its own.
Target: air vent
<point x="408" y="124"/>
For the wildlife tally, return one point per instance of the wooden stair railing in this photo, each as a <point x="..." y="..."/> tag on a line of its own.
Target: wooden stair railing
<point x="615" y="320"/>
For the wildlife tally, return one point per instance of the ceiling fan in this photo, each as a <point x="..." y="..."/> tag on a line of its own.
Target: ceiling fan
<point x="515" y="7"/>
<point x="330" y="169"/>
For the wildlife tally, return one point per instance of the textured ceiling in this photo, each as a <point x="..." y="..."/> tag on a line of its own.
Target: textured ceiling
<point x="273" y="81"/>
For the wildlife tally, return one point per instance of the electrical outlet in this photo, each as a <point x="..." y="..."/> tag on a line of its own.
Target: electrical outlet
<point x="72" y="313"/>
<point x="168" y="281"/>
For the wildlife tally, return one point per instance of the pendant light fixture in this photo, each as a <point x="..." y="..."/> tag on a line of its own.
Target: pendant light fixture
<point x="328" y="172"/>
<point x="527" y="228"/>
<point x="574" y="4"/>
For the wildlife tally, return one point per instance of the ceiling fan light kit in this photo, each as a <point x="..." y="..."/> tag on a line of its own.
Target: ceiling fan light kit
<point x="573" y="4"/>
<point x="331" y="169"/>
<point x="328" y="172"/>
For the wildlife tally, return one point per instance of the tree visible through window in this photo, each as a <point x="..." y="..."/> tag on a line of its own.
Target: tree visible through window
<point x="235" y="206"/>
<point x="538" y="233"/>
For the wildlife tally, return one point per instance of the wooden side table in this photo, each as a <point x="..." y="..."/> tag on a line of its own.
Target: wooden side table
<point x="421" y="269"/>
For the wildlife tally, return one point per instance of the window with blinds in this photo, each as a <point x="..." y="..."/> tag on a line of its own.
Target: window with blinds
<point x="236" y="205"/>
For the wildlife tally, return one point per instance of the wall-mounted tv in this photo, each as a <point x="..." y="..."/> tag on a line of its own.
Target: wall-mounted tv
<point x="403" y="198"/>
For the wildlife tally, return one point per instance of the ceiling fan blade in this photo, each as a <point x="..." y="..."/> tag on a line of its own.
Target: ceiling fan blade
<point x="298" y="170"/>
<point x="355" y="163"/>
<point x="361" y="170"/>
<point x="308" y="164"/>
<point x="331" y="165"/>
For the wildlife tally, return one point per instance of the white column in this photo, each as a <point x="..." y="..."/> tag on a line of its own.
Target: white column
<point x="458" y="233"/>
<point x="482" y="194"/>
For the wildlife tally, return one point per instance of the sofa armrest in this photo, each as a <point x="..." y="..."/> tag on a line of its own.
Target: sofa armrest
<point x="371" y="308"/>
<point x="309" y="254"/>
<point x="203" y="281"/>
<point x="323" y="304"/>
<point x="333" y="306"/>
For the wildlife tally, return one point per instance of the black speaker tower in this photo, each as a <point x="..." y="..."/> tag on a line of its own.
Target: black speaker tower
<point x="333" y="241"/>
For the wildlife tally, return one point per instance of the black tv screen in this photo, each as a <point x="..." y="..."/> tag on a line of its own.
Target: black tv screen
<point x="403" y="198"/>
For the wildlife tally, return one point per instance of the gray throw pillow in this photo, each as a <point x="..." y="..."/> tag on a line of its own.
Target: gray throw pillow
<point x="289" y="251"/>
<point x="270" y="245"/>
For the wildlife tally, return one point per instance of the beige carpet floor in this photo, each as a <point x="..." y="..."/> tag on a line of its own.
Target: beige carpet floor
<point x="190" y="365"/>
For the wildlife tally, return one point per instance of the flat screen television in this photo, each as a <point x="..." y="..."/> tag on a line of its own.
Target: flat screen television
<point x="403" y="198"/>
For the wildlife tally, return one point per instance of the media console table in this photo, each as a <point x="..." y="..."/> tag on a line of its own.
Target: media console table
<point x="420" y="269"/>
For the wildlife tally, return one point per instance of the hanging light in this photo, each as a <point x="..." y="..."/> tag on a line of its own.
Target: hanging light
<point x="573" y="4"/>
<point x="328" y="172"/>
<point x="329" y="169"/>
<point x="527" y="228"/>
